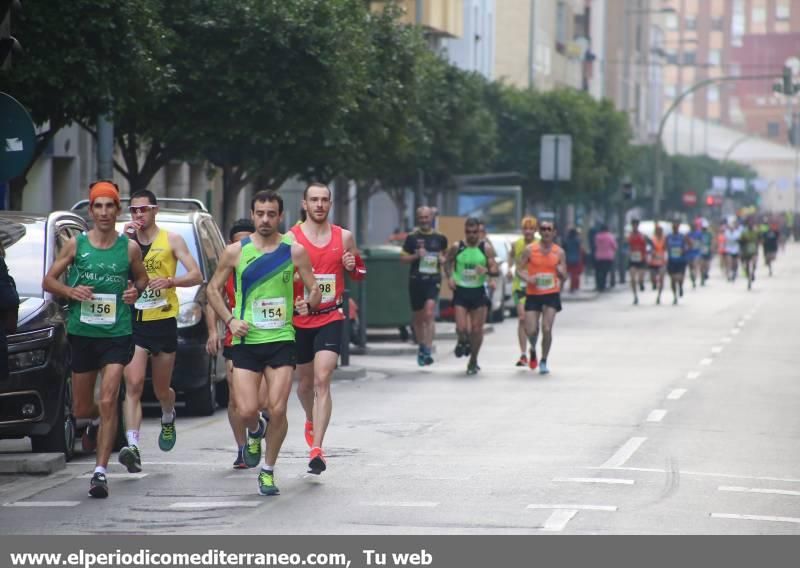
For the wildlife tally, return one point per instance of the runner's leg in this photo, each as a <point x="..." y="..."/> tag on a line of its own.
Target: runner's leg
<point x="109" y="394"/>
<point x="237" y="426"/>
<point x="548" y="320"/>
<point x="134" y="386"/>
<point x="279" y="386"/>
<point x="324" y="365"/>
<point x="478" y="317"/>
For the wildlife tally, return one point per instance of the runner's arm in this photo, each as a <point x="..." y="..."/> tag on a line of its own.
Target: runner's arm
<point x="491" y="261"/>
<point x="212" y="343"/>
<point x="51" y="282"/>
<point x="193" y="275"/>
<point x="562" y="265"/>
<point x="302" y="263"/>
<point x="227" y="262"/>
<point x="522" y="267"/>
<point x="352" y="261"/>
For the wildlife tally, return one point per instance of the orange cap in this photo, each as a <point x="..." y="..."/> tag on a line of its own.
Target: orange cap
<point x="103" y="189"/>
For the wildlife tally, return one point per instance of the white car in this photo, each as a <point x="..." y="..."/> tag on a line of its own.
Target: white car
<point x="502" y="243"/>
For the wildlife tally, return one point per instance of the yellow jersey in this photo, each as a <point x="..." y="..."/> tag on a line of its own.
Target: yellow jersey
<point x="159" y="262"/>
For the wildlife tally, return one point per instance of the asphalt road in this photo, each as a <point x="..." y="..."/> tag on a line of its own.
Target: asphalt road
<point x="655" y="419"/>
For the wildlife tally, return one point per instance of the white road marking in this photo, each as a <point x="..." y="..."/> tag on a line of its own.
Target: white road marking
<point x="116" y="476"/>
<point x="624" y="453"/>
<point x="189" y="505"/>
<point x="759" y="490"/>
<point x="611" y="508"/>
<point x="428" y="504"/>
<point x="676" y="394"/>
<point x="756" y="518"/>
<point x="707" y="361"/>
<point x="702" y="474"/>
<point x="692" y="375"/>
<point x="42" y="504"/>
<point x="716" y="350"/>
<point x="740" y="323"/>
<point x="735" y="331"/>
<point x="441" y="477"/>
<point x="726" y="339"/>
<point x="601" y="480"/>
<point x="558" y="520"/>
<point x="656" y="415"/>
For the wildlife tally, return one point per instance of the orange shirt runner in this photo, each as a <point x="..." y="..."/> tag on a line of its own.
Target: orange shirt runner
<point x="543" y="268"/>
<point x="658" y="257"/>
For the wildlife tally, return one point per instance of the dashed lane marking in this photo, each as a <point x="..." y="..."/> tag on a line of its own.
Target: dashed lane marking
<point x="763" y="490"/>
<point x="717" y="349"/>
<point x="600" y="480"/>
<point x="558" y="520"/>
<point x="192" y="505"/>
<point x="610" y="508"/>
<point x="676" y="394"/>
<point x="42" y="504"/>
<point x="410" y="504"/>
<point x="726" y="339"/>
<point x="767" y="518"/>
<point x="692" y="375"/>
<point x="623" y="454"/>
<point x="656" y="415"/>
<point x="662" y="471"/>
<point x="707" y="361"/>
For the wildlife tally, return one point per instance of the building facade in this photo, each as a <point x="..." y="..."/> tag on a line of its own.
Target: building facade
<point x="474" y="50"/>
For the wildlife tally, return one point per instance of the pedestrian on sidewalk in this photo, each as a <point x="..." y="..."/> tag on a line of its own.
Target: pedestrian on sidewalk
<point x="605" y="253"/>
<point x="575" y="259"/>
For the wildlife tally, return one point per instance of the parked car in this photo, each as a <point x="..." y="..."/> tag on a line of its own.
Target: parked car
<point x="198" y="378"/>
<point x="506" y="242"/>
<point x="502" y="291"/>
<point x="36" y="401"/>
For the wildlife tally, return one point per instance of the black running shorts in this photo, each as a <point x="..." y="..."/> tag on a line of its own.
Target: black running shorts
<point x="470" y="298"/>
<point x="420" y="291"/>
<point x="94" y="353"/>
<point x="258" y="356"/>
<point x="157" y="336"/>
<point x="676" y="267"/>
<point x="312" y="340"/>
<point x="537" y="303"/>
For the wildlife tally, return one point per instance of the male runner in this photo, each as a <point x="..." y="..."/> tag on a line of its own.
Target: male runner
<point x="332" y="251"/>
<point x="155" y="327"/>
<point x="241" y="229"/>
<point x="637" y="247"/>
<point x="749" y="241"/>
<point x="518" y="293"/>
<point x="263" y="334"/>
<point x="544" y="268"/>
<point x="706" y="250"/>
<point x="771" y="240"/>
<point x="658" y="260"/>
<point x="694" y="253"/>
<point x="733" y="234"/>
<point x="424" y="249"/>
<point x="99" y="321"/>
<point x="467" y="266"/>
<point x="677" y="248"/>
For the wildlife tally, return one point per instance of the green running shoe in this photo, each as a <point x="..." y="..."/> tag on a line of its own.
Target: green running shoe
<point x="266" y="483"/>
<point x="252" y="447"/>
<point x="129" y="457"/>
<point x="167" y="436"/>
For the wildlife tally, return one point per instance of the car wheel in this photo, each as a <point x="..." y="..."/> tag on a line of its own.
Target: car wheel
<point x="203" y="401"/>
<point x="61" y="437"/>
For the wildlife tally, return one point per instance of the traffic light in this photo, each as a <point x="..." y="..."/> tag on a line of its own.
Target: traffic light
<point x="8" y="43"/>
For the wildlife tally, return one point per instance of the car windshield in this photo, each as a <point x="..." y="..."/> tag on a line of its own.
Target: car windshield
<point x="186" y="230"/>
<point x="24" y="245"/>
<point x="499" y="245"/>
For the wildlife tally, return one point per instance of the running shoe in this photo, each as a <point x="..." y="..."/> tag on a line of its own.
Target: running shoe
<point x="421" y="359"/>
<point x="459" y="349"/>
<point x="89" y="438"/>
<point x="472" y="369"/>
<point x="533" y="363"/>
<point x="523" y="361"/>
<point x="467" y="349"/>
<point x="167" y="436"/>
<point x="317" y="463"/>
<point x="641" y="286"/>
<point x="266" y="483"/>
<point x="428" y="357"/>
<point x="543" y="368"/>
<point x="308" y="431"/>
<point x="239" y="463"/>
<point x="129" y="457"/>
<point x="252" y="447"/>
<point x="98" y="486"/>
<point x="635" y="300"/>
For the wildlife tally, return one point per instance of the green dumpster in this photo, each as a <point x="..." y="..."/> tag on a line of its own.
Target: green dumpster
<point x="386" y="288"/>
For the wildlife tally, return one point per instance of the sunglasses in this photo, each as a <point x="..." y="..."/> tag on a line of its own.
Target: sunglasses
<point x="546" y="229"/>
<point x="141" y="208"/>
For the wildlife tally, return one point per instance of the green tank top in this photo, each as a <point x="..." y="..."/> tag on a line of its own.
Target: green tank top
<point x="264" y="293"/>
<point x="467" y="259"/>
<point x="106" y="271"/>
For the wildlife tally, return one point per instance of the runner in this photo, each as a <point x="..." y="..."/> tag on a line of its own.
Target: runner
<point x="241" y="229"/>
<point x="706" y="250"/>
<point x="637" y="245"/>
<point x="155" y="326"/>
<point x="332" y="251"/>
<point x="514" y="255"/>
<point x="658" y="260"/>
<point x="677" y="249"/>
<point x="263" y="334"/>
<point x="749" y="241"/>
<point x="99" y="321"/>
<point x="467" y="266"/>
<point x="723" y="256"/>
<point x="544" y="268"/>
<point x="694" y="253"/>
<point x="771" y="239"/>
<point x="424" y="249"/>
<point x="733" y="234"/>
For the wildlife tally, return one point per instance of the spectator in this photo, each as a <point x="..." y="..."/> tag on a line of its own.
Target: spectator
<point x="605" y="253"/>
<point x="575" y="257"/>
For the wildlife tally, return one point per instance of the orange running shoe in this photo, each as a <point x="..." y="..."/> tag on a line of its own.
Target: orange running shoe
<point x="317" y="464"/>
<point x="523" y="361"/>
<point x="309" y="433"/>
<point x="533" y="363"/>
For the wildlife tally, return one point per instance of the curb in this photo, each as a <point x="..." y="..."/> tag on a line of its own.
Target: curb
<point x="38" y="464"/>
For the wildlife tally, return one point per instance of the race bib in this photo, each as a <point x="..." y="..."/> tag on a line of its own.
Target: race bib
<point x="706" y="250"/>
<point x="751" y="248"/>
<point x="327" y="286"/>
<point x="100" y="310"/>
<point x="676" y="252"/>
<point x="636" y="256"/>
<point x="269" y="313"/>
<point x="469" y="276"/>
<point x="545" y="281"/>
<point x="429" y="264"/>
<point x="150" y="299"/>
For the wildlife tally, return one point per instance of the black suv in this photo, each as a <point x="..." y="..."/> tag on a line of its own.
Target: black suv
<point x="36" y="400"/>
<point x="198" y="378"/>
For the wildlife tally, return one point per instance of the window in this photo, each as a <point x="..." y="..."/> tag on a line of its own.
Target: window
<point x="712" y="94"/>
<point x="672" y="58"/>
<point x="561" y="23"/>
<point x="759" y="15"/>
<point x="718" y="23"/>
<point x="670" y="91"/>
<point x="773" y="129"/>
<point x="783" y="10"/>
<point x="691" y="23"/>
<point x="714" y="57"/>
<point x="672" y="22"/>
<point x="211" y="245"/>
<point x="689" y="57"/>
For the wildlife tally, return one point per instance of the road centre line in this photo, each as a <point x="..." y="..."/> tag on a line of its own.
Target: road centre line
<point x="413" y="504"/>
<point x="759" y="490"/>
<point x="707" y="361"/>
<point x="692" y="375"/>
<point x="656" y="415"/>
<point x="610" y="508"/>
<point x="755" y="518"/>
<point x="717" y="349"/>
<point x="624" y="453"/>
<point x="191" y="505"/>
<point x="726" y="339"/>
<point x="735" y="331"/>
<point x="700" y="473"/>
<point x="42" y="504"/>
<point x="676" y="394"/>
<point x="601" y="480"/>
<point x="558" y="519"/>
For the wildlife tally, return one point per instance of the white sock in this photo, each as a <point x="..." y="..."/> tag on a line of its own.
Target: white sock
<point x="133" y="437"/>
<point x="269" y="468"/>
<point x="96" y="421"/>
<point x="100" y="469"/>
<point x="167" y="416"/>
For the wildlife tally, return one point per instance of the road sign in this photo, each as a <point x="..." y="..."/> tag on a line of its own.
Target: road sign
<point x="690" y="198"/>
<point x="556" y="157"/>
<point x="17" y="138"/>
